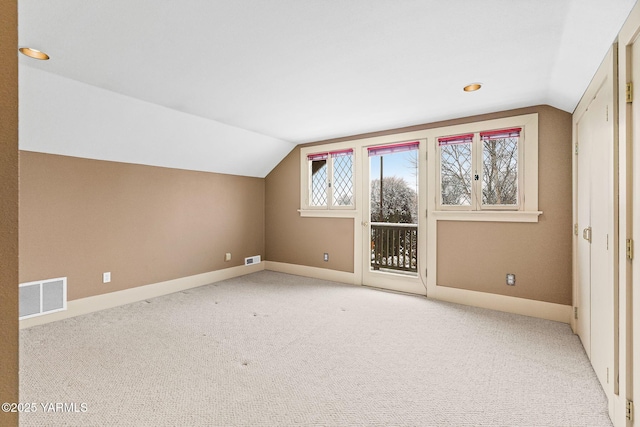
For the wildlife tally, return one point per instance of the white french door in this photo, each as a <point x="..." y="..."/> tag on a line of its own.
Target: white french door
<point x="394" y="246"/>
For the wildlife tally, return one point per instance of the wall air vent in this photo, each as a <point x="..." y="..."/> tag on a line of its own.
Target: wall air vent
<point x="43" y="297"/>
<point x="252" y="260"/>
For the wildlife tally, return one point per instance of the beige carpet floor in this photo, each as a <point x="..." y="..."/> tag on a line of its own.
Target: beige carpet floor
<point x="271" y="349"/>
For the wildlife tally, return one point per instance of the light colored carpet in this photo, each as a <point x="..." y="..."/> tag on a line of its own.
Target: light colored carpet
<point x="271" y="349"/>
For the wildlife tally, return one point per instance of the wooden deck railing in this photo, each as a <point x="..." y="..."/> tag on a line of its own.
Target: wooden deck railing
<point x="394" y="246"/>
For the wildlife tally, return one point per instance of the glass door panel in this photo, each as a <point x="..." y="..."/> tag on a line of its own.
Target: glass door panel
<point x="391" y="248"/>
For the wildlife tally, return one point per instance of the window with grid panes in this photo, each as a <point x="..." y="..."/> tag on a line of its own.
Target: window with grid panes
<point x="331" y="179"/>
<point x="481" y="170"/>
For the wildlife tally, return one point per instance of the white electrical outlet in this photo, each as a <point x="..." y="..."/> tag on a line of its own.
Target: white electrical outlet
<point x="326" y="256"/>
<point x="106" y="277"/>
<point x="227" y="256"/>
<point x="511" y="279"/>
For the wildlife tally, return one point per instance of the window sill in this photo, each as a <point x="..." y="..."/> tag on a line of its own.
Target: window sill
<point x="488" y="216"/>
<point x="327" y="213"/>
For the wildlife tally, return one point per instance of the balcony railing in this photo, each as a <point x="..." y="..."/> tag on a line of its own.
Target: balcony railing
<point x="394" y="246"/>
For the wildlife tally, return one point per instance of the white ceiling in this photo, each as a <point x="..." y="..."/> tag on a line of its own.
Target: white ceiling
<point x="306" y="70"/>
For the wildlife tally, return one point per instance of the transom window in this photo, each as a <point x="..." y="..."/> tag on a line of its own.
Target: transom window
<point x="481" y="170"/>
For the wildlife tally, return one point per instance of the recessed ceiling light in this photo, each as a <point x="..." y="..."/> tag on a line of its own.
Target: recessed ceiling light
<point x="472" y="87"/>
<point x="33" y="53"/>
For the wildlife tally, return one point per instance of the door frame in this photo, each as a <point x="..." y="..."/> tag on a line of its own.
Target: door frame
<point x="386" y="280"/>
<point x="629" y="218"/>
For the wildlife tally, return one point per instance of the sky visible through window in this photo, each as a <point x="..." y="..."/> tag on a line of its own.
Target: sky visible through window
<point x="401" y="165"/>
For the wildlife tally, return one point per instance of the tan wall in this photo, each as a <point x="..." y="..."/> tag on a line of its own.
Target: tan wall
<point x="474" y="255"/>
<point x="303" y="241"/>
<point x="9" y="208"/>
<point x="478" y="255"/>
<point x="80" y="218"/>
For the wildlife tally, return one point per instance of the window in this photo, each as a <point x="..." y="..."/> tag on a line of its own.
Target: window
<point x="331" y="179"/>
<point x="481" y="170"/>
<point x="455" y="170"/>
<point x="476" y="171"/>
<point x="500" y="167"/>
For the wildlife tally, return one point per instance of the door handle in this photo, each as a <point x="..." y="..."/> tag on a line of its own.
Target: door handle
<point x="586" y="234"/>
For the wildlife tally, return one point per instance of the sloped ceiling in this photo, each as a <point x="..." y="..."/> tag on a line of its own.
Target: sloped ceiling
<point x="272" y="74"/>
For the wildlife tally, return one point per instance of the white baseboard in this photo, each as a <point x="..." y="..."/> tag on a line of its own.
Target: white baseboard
<point x="540" y="309"/>
<point x="527" y="307"/>
<point x="314" y="272"/>
<point x="113" y="299"/>
<point x="508" y="304"/>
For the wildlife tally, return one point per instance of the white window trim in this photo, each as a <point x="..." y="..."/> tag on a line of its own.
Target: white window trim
<point x="306" y="209"/>
<point x="527" y="209"/>
<point x="477" y="156"/>
<point x="528" y="164"/>
<point x="522" y="141"/>
<point x="328" y="213"/>
<point x="496" y="216"/>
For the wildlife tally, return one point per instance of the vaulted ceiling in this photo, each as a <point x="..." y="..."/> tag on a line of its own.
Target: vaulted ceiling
<point x="231" y="86"/>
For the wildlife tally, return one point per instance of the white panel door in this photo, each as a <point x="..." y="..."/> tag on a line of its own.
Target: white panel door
<point x="595" y="297"/>
<point x="584" y="224"/>
<point x="602" y="280"/>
